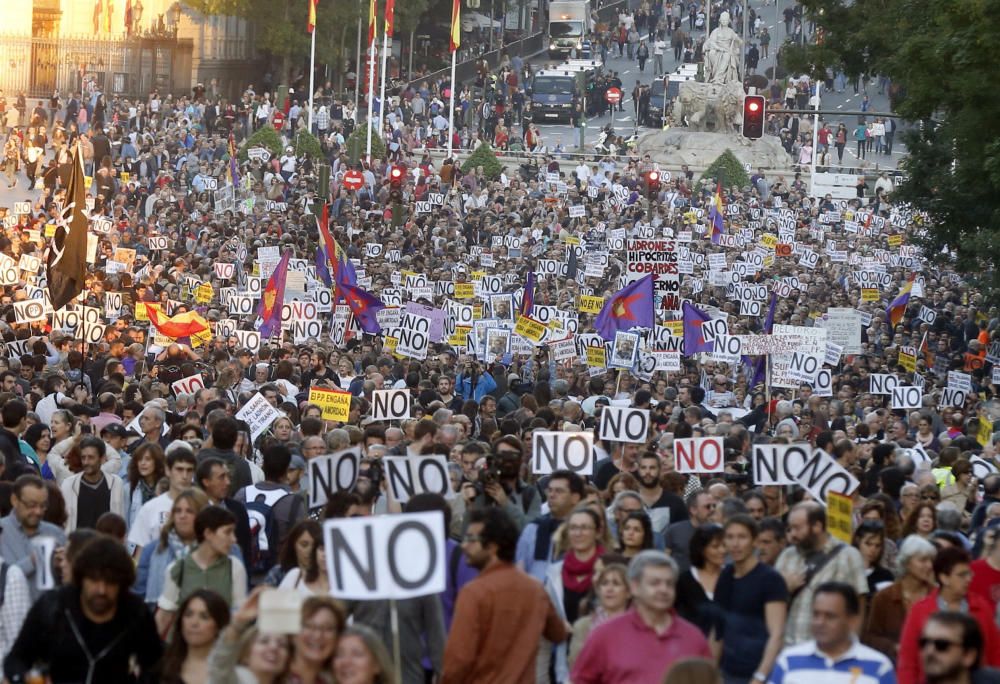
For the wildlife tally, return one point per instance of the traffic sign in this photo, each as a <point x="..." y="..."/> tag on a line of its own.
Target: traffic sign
<point x="613" y="95"/>
<point x="353" y="180"/>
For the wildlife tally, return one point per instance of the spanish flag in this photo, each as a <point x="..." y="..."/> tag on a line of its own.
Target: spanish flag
<point x="371" y="22"/>
<point x="187" y="324"/>
<point x="312" y="16"/>
<point x="456" y="24"/>
<point x="390" y="8"/>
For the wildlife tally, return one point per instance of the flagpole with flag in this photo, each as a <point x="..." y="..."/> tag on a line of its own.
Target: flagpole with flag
<point x="390" y="6"/>
<point x="66" y="264"/>
<point x="371" y="74"/>
<point x="456" y="41"/>
<point x="312" y="59"/>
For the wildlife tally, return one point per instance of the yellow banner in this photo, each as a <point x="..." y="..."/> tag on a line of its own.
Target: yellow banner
<point x="985" y="432"/>
<point x="869" y="294"/>
<point x="895" y="240"/>
<point x="768" y="240"/>
<point x="336" y="405"/>
<point x="839" y="516"/>
<point x="529" y="329"/>
<point x="459" y="338"/>
<point x="676" y="328"/>
<point x="477" y="312"/>
<point x="204" y="293"/>
<point x="572" y="240"/>
<point x="140" y="311"/>
<point x="907" y="361"/>
<point x="50" y="230"/>
<point x="465" y="291"/>
<point x="590" y="304"/>
<point x="595" y="357"/>
<point x="389" y="344"/>
<point x="478" y="275"/>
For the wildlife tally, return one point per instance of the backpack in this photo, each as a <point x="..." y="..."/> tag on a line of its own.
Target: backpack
<point x="263" y="527"/>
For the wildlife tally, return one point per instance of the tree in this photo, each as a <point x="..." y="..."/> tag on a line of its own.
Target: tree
<point x="727" y="170"/>
<point x="357" y="143"/>
<point x="265" y="137"/>
<point x="484" y="156"/>
<point x="941" y="60"/>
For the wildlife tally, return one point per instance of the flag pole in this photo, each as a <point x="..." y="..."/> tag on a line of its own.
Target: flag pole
<point x="371" y="95"/>
<point x="385" y="59"/>
<point x="451" y="105"/>
<point x="312" y="77"/>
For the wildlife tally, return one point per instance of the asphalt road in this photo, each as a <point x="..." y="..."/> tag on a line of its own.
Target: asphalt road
<point x="628" y="71"/>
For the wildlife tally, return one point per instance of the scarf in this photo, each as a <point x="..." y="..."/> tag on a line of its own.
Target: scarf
<point x="578" y="575"/>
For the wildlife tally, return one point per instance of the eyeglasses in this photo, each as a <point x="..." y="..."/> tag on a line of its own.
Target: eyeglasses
<point x="320" y="629"/>
<point x="581" y="528"/>
<point x="472" y="539"/>
<point x="940" y="645"/>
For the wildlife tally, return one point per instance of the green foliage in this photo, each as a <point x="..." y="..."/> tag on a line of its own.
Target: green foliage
<point x="941" y="59"/>
<point x="306" y="143"/>
<point x="484" y="156"/>
<point x="265" y="137"/>
<point x="357" y="143"/>
<point x="728" y="170"/>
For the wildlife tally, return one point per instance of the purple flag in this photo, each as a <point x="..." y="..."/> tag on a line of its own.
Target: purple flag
<point x="694" y="340"/>
<point x="630" y="307"/>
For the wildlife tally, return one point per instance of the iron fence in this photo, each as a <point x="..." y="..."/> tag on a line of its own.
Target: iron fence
<point x="38" y="66"/>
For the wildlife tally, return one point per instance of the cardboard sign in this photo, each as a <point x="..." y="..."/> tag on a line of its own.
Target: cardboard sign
<point x="413" y="336"/>
<point x="258" y="414"/>
<point x="336" y="405"/>
<point x="906" y="397"/>
<point x="407" y="476"/>
<point x="591" y="305"/>
<point x="391" y="404"/>
<point x="43" y="548"/>
<point x="821" y="475"/>
<point x="699" y="455"/>
<point x="188" y="385"/>
<point x="530" y="329"/>
<point x="840" y="516"/>
<point x="336" y="472"/>
<point x="779" y="464"/>
<point x="621" y="424"/>
<point x="280" y="611"/>
<point x="387" y="556"/>
<point x="553" y="450"/>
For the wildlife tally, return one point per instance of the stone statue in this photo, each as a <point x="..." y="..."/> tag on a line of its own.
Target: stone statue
<point x="723" y="54"/>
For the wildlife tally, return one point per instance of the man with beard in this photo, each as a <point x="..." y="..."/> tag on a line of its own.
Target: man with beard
<point x="951" y="648"/>
<point x="522" y="502"/>
<point x="664" y="507"/>
<point x="813" y="558"/>
<point x="501" y="615"/>
<point x="95" y="628"/>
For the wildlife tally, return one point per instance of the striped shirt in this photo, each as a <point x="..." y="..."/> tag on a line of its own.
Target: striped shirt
<point x="805" y="664"/>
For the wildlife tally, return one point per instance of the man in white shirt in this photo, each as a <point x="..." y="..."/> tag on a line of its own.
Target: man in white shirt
<point x="154" y="513"/>
<point x="659" y="47"/>
<point x="54" y="399"/>
<point x="583" y="173"/>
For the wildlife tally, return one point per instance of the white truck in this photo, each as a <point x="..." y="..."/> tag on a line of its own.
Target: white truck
<point x="570" y="22"/>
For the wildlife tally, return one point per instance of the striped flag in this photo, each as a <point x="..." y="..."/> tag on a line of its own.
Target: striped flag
<point x="456" y="24"/>
<point x="371" y="22"/>
<point x="390" y="8"/>
<point x="312" y="16"/>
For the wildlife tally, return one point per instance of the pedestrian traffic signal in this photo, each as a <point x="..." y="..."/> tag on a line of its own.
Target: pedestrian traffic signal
<point x="396" y="174"/>
<point x="753" y="116"/>
<point x="652" y="184"/>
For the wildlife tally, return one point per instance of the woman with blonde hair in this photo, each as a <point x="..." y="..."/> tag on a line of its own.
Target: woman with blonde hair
<point x="246" y="655"/>
<point x="362" y="658"/>
<point x="323" y="620"/>
<point x="611" y="599"/>
<point x="177" y="539"/>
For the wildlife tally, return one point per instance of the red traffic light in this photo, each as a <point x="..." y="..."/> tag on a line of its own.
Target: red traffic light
<point x="396" y="173"/>
<point x="753" y="116"/>
<point x="653" y="176"/>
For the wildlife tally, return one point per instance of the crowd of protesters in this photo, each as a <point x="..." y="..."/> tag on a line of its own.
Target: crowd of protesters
<point x="141" y="523"/>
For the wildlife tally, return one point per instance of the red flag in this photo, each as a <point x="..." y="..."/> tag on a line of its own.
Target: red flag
<point x="390" y="7"/>
<point x="372" y="21"/>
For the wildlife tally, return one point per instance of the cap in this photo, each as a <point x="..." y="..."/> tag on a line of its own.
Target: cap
<point x="513" y="377"/>
<point x="115" y="430"/>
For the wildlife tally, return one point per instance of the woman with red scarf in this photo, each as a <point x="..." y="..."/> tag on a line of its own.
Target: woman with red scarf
<point x="568" y="581"/>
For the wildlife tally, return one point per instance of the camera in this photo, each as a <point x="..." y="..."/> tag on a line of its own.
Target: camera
<point x="490" y="473"/>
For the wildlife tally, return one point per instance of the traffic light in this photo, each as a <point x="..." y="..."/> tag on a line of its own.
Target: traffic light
<point x="652" y="184"/>
<point x="396" y="174"/>
<point x="753" y="116"/>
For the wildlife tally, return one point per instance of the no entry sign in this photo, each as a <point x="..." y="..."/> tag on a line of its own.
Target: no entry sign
<point x="613" y="95"/>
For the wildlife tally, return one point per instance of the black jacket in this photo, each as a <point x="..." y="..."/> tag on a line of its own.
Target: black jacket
<point x="56" y="633"/>
<point x="16" y="463"/>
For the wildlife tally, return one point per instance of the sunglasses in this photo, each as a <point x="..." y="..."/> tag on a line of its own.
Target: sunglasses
<point x="940" y="645"/>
